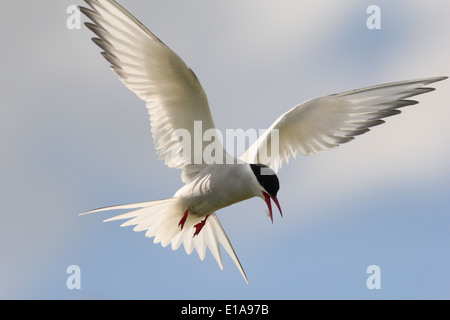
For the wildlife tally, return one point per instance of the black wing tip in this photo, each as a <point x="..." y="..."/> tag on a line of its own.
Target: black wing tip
<point x="421" y="83"/>
<point x="436" y="79"/>
<point x="88" y="12"/>
<point x="90" y="25"/>
<point x="84" y="9"/>
<point x="428" y="81"/>
<point x="89" y="2"/>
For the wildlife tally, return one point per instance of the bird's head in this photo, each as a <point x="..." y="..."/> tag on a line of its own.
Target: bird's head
<point x="268" y="185"/>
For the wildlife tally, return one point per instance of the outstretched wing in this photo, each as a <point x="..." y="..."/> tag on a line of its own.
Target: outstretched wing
<point x="173" y="95"/>
<point x="324" y="123"/>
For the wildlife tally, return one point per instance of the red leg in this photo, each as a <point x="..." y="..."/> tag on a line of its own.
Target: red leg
<point x="199" y="226"/>
<point x="183" y="220"/>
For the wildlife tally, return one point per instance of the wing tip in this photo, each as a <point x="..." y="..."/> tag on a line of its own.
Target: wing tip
<point x="436" y="79"/>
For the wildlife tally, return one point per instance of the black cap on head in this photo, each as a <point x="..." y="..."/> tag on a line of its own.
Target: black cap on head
<point x="266" y="178"/>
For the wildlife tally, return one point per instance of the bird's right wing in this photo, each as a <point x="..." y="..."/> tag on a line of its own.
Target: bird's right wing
<point x="323" y="123"/>
<point x="174" y="96"/>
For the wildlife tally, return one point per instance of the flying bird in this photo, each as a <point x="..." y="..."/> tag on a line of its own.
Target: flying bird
<point x="176" y="100"/>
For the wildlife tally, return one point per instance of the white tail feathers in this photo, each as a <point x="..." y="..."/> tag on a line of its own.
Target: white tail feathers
<point x="160" y="219"/>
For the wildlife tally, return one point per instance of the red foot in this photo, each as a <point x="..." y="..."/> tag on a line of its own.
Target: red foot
<point x="199" y="226"/>
<point x="183" y="220"/>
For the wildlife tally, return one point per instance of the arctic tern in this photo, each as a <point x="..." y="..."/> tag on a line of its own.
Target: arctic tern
<point x="176" y="100"/>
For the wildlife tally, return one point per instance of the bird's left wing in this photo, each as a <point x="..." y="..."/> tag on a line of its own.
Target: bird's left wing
<point x="323" y="123"/>
<point x="174" y="97"/>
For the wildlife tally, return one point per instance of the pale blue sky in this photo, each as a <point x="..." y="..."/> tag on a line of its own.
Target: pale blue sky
<point x="73" y="138"/>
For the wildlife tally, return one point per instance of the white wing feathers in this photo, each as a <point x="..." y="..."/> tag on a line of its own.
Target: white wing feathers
<point x="324" y="123"/>
<point x="172" y="92"/>
<point x="160" y="220"/>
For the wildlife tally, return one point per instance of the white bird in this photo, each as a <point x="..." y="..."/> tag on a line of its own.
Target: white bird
<point x="176" y="100"/>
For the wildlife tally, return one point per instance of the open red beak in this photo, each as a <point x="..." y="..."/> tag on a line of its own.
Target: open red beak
<point x="267" y="198"/>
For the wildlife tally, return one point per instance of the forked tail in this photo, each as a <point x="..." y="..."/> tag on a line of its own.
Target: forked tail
<point x="160" y="219"/>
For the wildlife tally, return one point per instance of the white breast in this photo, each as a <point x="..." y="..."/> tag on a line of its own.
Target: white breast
<point x="218" y="186"/>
